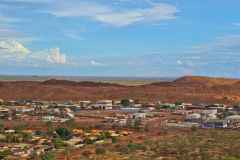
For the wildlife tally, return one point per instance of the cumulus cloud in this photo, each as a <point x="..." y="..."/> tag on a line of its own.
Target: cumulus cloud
<point x="53" y="55"/>
<point x="113" y="16"/>
<point x="13" y="51"/>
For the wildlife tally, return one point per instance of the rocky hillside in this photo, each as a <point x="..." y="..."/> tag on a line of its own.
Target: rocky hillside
<point x="184" y="89"/>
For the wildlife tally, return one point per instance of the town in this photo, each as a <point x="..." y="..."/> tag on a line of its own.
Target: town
<point x="39" y="129"/>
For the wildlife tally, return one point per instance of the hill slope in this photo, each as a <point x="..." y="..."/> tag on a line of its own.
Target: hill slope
<point x="184" y="89"/>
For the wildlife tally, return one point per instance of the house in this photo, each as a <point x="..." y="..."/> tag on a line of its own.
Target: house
<point x="19" y="152"/>
<point x="130" y="110"/>
<point x="138" y="116"/>
<point x="193" y="117"/>
<point x="215" y="123"/>
<point x="195" y="108"/>
<point x="103" y="104"/>
<point x="48" y="117"/>
<point x="213" y="111"/>
<point x="233" y="119"/>
<point x="209" y="116"/>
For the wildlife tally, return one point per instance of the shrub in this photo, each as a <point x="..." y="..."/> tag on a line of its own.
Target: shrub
<point x="194" y="128"/>
<point x="100" y="150"/>
<point x="86" y="153"/>
<point x="114" y="139"/>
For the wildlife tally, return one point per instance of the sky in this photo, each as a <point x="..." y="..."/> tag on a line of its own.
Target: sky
<point x="122" y="38"/>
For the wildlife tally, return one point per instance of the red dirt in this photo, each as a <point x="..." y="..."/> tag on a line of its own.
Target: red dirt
<point x="185" y="89"/>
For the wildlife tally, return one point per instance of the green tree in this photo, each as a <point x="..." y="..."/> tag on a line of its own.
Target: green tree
<point x="125" y="102"/>
<point x="137" y="124"/>
<point x="48" y="156"/>
<point x="178" y="103"/>
<point x="147" y="127"/>
<point x="3" y="155"/>
<point x="64" y="133"/>
<point x="136" y="101"/>
<point x="194" y="128"/>
<point x="58" y="142"/>
<point x="225" y="98"/>
<point x="107" y="134"/>
<point x="70" y="124"/>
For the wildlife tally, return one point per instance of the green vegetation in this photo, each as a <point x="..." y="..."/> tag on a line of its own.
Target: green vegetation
<point x="136" y="101"/>
<point x="100" y="150"/>
<point x="64" y="133"/>
<point x="213" y="145"/>
<point x="125" y="102"/>
<point x="178" y="103"/>
<point x="58" y="142"/>
<point x="48" y="156"/>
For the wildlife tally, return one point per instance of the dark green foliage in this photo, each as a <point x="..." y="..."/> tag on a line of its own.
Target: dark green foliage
<point x="136" y="101"/>
<point x="125" y="102"/>
<point x="178" y="103"/>
<point x="63" y="133"/>
<point x="3" y="155"/>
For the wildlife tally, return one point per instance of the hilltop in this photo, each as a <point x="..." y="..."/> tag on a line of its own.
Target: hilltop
<point x="206" y="80"/>
<point x="185" y="89"/>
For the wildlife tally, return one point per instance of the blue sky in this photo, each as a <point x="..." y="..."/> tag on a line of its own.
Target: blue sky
<point x="139" y="38"/>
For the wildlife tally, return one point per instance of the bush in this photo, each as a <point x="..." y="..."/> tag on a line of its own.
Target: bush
<point x="48" y="156"/>
<point x="100" y="150"/>
<point x="99" y="126"/>
<point x="114" y="139"/>
<point x="86" y="153"/>
<point x="162" y="133"/>
<point x="58" y="142"/>
<point x="64" y="133"/>
<point x="194" y="128"/>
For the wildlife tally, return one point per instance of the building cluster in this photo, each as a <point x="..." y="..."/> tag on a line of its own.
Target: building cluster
<point x="31" y="142"/>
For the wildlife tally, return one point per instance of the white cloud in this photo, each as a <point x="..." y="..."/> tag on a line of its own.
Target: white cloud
<point x="74" y="34"/>
<point x="53" y="55"/>
<point x="190" y="63"/>
<point x="113" y="16"/>
<point x="93" y="63"/>
<point x="225" y="45"/>
<point x="13" y="51"/>
<point x="6" y="19"/>
<point x="236" y="24"/>
<point x="179" y="62"/>
<point x="28" y="1"/>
